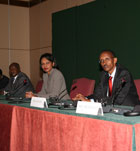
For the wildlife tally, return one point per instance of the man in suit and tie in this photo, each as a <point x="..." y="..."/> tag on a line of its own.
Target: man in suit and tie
<point x="19" y="82"/>
<point x="116" y="83"/>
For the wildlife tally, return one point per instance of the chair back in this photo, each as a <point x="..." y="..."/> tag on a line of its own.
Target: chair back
<point x="84" y="86"/>
<point x="39" y="86"/>
<point x="137" y="84"/>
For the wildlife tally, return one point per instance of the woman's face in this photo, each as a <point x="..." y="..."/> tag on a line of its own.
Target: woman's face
<point x="46" y="65"/>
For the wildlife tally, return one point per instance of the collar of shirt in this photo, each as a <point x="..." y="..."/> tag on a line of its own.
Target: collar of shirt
<point x="15" y="78"/>
<point x="113" y="75"/>
<point x="51" y="70"/>
<point x="49" y="75"/>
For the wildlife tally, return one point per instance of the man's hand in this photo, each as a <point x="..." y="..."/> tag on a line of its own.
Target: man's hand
<point x="29" y="94"/>
<point x="1" y="92"/>
<point x="80" y="97"/>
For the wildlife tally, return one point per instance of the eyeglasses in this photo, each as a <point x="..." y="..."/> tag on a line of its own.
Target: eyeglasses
<point x="105" y="60"/>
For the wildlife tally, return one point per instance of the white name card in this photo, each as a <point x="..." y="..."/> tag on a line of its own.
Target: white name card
<point x="89" y="108"/>
<point x="39" y="102"/>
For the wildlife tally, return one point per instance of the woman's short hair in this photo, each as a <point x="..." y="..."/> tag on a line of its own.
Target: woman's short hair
<point x="49" y="57"/>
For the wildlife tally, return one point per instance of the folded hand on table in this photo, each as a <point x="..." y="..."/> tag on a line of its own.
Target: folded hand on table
<point x="80" y="97"/>
<point x="29" y="94"/>
<point x="1" y="92"/>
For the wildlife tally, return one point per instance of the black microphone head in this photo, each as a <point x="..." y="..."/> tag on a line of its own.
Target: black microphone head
<point x="70" y="104"/>
<point x="75" y="103"/>
<point x="74" y="88"/>
<point x="123" y="81"/>
<point x="25" y="82"/>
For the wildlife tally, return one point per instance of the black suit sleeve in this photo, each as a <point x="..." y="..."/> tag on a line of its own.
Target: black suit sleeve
<point x="4" y="82"/>
<point x="20" y="87"/>
<point x="19" y="84"/>
<point x="128" y="91"/>
<point x="101" y="89"/>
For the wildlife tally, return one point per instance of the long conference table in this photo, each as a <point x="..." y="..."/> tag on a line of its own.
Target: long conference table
<point x="26" y="128"/>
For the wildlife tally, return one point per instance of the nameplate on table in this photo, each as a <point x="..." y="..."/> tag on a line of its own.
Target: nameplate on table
<point x="39" y="102"/>
<point x="89" y="108"/>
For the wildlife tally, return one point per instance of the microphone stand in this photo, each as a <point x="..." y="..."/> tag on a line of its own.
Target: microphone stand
<point x="110" y="108"/>
<point x="63" y="105"/>
<point x="12" y="98"/>
<point x="62" y="96"/>
<point x="118" y="110"/>
<point x="56" y="100"/>
<point x="117" y="92"/>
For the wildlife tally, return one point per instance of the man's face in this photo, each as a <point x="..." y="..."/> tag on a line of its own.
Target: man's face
<point x="107" y="61"/>
<point x="13" y="71"/>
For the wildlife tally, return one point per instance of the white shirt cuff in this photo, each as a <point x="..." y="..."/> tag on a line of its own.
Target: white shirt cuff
<point x="91" y="100"/>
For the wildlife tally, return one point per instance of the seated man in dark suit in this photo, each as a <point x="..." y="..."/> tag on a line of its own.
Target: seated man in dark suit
<point x="3" y="80"/>
<point x="116" y="83"/>
<point x="19" y="82"/>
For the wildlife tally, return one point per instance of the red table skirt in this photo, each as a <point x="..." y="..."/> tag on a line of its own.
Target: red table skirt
<point x="5" y="126"/>
<point x="36" y="130"/>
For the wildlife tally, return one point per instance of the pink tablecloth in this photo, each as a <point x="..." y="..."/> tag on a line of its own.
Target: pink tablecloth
<point x="36" y="130"/>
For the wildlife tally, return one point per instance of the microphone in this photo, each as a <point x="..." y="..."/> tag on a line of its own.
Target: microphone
<point x="119" y="110"/>
<point x="61" y="93"/>
<point x="72" y="104"/>
<point x="25" y="82"/>
<point x="62" y="96"/>
<point x="122" y="84"/>
<point x="106" y="102"/>
<point x="62" y="104"/>
<point x="73" y="88"/>
<point x="9" y="94"/>
<point x="58" y="99"/>
<point x="123" y="81"/>
<point x="54" y="100"/>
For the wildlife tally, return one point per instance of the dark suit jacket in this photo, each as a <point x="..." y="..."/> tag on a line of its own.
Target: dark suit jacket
<point x="20" y="87"/>
<point x="126" y="96"/>
<point x="3" y="82"/>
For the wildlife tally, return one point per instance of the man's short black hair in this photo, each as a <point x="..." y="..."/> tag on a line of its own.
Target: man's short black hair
<point x="16" y="65"/>
<point x="109" y="50"/>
